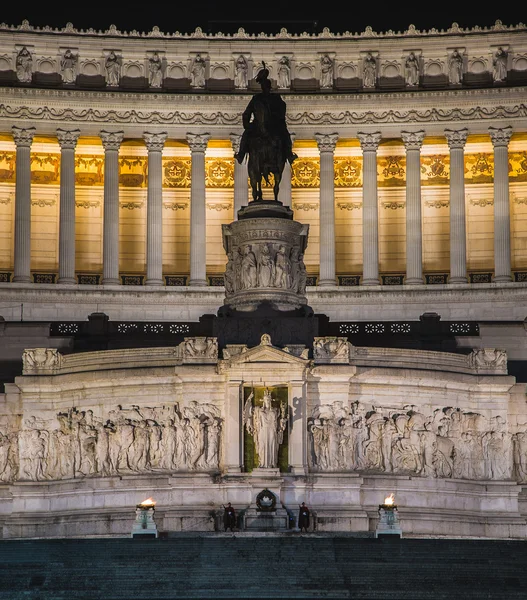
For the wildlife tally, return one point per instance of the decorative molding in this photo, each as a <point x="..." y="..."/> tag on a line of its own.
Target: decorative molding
<point x="394" y="204"/>
<point x="43" y="203"/>
<point x="482" y="202"/>
<point x="219" y="206"/>
<point x="437" y="203"/>
<point x="217" y="117"/>
<point x="176" y="205"/>
<point x="349" y="205"/>
<point x="131" y="205"/>
<point x="306" y="206"/>
<point x="87" y="203"/>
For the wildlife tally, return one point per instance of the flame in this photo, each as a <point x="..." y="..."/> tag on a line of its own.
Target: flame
<point x="147" y="502"/>
<point x="389" y="500"/>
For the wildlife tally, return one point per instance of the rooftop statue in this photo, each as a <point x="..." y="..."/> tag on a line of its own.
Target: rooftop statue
<point x="265" y="138"/>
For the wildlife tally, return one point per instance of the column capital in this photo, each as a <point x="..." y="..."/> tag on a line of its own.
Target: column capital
<point x="326" y="141"/>
<point x="23" y="137"/>
<point x="369" y="141"/>
<point x="236" y="139"/>
<point x="198" y="141"/>
<point x="456" y="138"/>
<point x="68" y="138"/>
<point x="500" y="137"/>
<point x="413" y="140"/>
<point x="111" y="140"/>
<point x="155" y="141"/>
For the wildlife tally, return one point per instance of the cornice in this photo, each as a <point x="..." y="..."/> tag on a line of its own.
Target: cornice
<point x="113" y="32"/>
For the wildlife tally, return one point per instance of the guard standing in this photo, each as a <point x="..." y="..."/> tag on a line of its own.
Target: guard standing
<point x="303" y="517"/>
<point x="229" y="517"/>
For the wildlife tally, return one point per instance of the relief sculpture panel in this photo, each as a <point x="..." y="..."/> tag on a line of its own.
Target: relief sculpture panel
<point x="126" y="440"/>
<point x="448" y="443"/>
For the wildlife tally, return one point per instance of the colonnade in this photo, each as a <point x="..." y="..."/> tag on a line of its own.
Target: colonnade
<point x="369" y="141"/>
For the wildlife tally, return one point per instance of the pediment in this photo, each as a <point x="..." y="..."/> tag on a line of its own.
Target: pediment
<point x="265" y="352"/>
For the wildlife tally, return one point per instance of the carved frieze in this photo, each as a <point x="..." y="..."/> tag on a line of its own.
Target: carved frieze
<point x="447" y="443"/>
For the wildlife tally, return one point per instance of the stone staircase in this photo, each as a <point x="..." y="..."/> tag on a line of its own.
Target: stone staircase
<point x="262" y="566"/>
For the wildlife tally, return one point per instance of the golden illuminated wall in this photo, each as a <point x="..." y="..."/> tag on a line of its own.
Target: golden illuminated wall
<point x="391" y="176"/>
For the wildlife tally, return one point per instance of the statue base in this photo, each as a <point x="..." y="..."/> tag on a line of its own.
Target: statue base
<point x="271" y="209"/>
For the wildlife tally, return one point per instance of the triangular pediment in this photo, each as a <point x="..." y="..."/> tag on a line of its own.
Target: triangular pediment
<point x="265" y="352"/>
<point x="261" y="354"/>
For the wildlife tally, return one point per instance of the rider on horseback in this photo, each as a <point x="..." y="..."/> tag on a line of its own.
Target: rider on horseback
<point x="267" y="112"/>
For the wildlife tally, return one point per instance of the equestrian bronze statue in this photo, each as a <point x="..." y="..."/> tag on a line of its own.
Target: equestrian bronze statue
<point x="265" y="137"/>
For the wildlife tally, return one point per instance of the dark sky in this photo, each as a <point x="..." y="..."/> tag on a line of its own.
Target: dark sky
<point x="264" y="15"/>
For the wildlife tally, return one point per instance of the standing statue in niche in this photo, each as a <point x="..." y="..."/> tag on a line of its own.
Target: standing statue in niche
<point x="284" y="73"/>
<point x="326" y="72"/>
<point x="267" y="425"/>
<point x="265" y="138"/>
<point x="411" y="68"/>
<point x="155" y="71"/>
<point x="499" y="62"/>
<point x="24" y="66"/>
<point x="455" y="68"/>
<point x="68" y="66"/>
<point x="369" y="77"/>
<point x="197" y="72"/>
<point x="241" y="73"/>
<point x="113" y="69"/>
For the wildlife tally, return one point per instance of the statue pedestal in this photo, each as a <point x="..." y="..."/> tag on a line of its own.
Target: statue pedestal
<point x="265" y="249"/>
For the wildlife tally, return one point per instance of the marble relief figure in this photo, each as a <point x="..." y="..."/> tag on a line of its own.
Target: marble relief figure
<point x="369" y="77"/>
<point x="499" y="64"/>
<point x="155" y="71"/>
<point x="112" y="65"/>
<point x="284" y="73"/>
<point x="326" y="72"/>
<point x="455" y="68"/>
<point x="197" y="72"/>
<point x="24" y="66"/>
<point x="77" y="444"/>
<point x="241" y="73"/>
<point x="265" y="265"/>
<point x="68" y="66"/>
<point x="449" y="443"/>
<point x="411" y="70"/>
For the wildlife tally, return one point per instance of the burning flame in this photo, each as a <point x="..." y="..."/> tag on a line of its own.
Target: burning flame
<point x="148" y="502"/>
<point x="389" y="500"/>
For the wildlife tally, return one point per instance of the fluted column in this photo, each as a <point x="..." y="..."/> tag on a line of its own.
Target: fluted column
<point x="297" y="428"/>
<point x="154" y="207"/>
<point x="285" y="191"/>
<point x="370" y="208"/>
<point x="502" y="218"/>
<point x="413" y="140"/>
<point x="23" y="140"/>
<point x="198" y="216"/>
<point x="458" y="234"/>
<point x="326" y="146"/>
<point x="68" y="142"/>
<point x="111" y="140"/>
<point x="241" y="177"/>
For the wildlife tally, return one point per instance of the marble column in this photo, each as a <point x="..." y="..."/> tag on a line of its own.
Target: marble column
<point x="68" y="142"/>
<point x="297" y="428"/>
<point x="233" y="427"/>
<point x="458" y="234"/>
<point x="154" y="208"/>
<point x="502" y="218"/>
<point x="198" y="210"/>
<point x="23" y="140"/>
<point x="326" y="145"/>
<point x="285" y="191"/>
<point x="241" y="178"/>
<point x="370" y="208"/>
<point x="413" y="140"/>
<point x="111" y="140"/>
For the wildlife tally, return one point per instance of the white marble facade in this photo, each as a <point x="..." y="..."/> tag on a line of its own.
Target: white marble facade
<point x="93" y="433"/>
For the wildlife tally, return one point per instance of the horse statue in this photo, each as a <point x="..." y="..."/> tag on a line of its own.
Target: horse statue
<point x="265" y="138"/>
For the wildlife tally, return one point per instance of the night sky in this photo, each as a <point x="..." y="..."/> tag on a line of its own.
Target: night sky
<point x="263" y="16"/>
